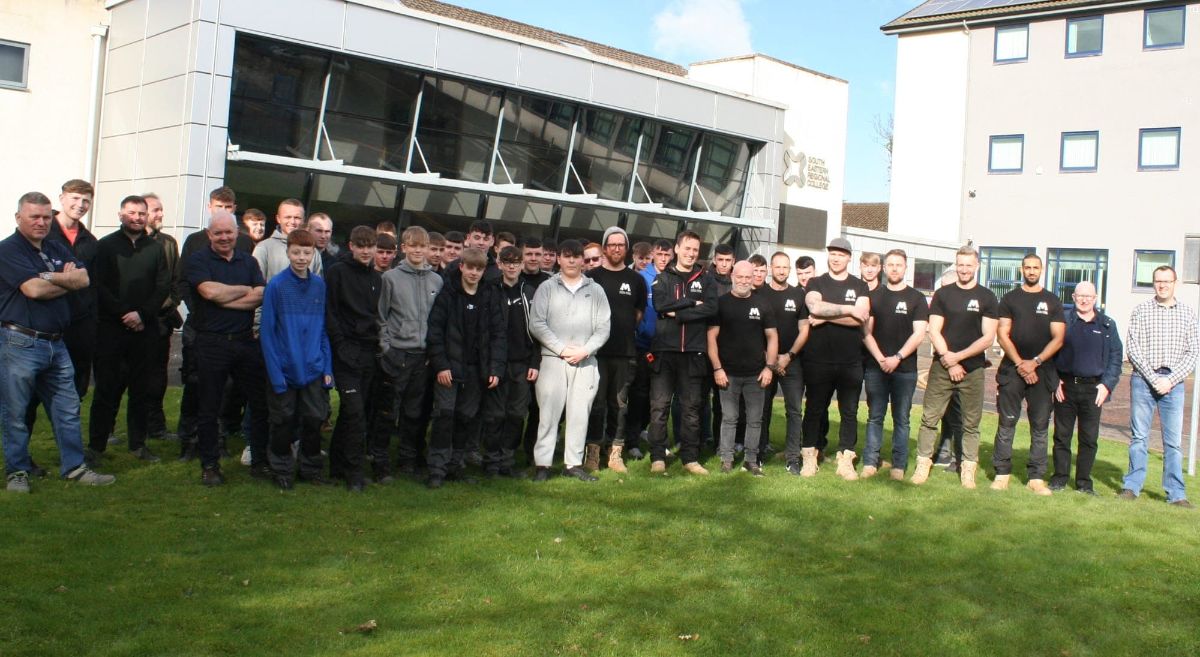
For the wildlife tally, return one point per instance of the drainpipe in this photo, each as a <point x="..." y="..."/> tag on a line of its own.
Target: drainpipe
<point x="99" y="33"/>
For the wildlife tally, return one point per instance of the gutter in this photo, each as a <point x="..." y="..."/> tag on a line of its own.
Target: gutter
<point x="987" y="20"/>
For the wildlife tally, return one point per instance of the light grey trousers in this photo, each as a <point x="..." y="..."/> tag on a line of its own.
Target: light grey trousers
<point x="561" y="386"/>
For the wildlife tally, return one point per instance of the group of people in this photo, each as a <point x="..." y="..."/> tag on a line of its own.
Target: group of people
<point x="480" y="348"/>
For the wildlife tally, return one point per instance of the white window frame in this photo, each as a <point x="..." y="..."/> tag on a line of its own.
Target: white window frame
<point x="1005" y="29"/>
<point x="23" y="83"/>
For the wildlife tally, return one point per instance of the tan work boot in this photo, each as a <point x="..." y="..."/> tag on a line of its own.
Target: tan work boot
<point x="1039" y="487"/>
<point x="845" y="465"/>
<point x="897" y="474"/>
<point x="591" y="457"/>
<point x="810" y="467"/>
<point x="966" y="474"/>
<point x="615" y="462"/>
<point x="1000" y="482"/>
<point x="658" y="467"/>
<point x="921" y="474"/>
<point x="694" y="468"/>
<point x="868" y="471"/>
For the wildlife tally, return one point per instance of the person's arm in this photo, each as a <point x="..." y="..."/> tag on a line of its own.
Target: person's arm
<point x="601" y="322"/>
<point x="664" y="297"/>
<point x="107" y="286"/>
<point x="703" y="309"/>
<point x="385" y="312"/>
<point x="1136" y="346"/>
<point x="871" y="345"/>
<point x="333" y="328"/>
<point x="988" y="326"/>
<point x="1058" y="335"/>
<point x="1004" y="336"/>
<point x="42" y="290"/>
<point x="498" y="329"/>
<point x="1112" y="369"/>
<point x="1185" y="357"/>
<point x="772" y="357"/>
<point x="830" y="312"/>
<point x="162" y="288"/>
<point x="220" y="293"/>
<point x="273" y="350"/>
<point x="714" y="357"/>
<point x="435" y="336"/>
<point x="539" y="312"/>
<point x="936" y="323"/>
<point x="249" y="301"/>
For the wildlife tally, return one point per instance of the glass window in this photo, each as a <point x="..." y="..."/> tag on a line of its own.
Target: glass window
<point x="1164" y="28"/>
<point x="458" y="127"/>
<point x="604" y="151"/>
<point x="14" y="64"/>
<point x="722" y="177"/>
<point x="534" y="136"/>
<point x="369" y="114"/>
<point x="518" y="216"/>
<point x="1000" y="267"/>
<point x="585" y="224"/>
<point x="1158" y="148"/>
<point x="648" y="228"/>
<point x="350" y="201"/>
<point x="927" y="273"/>
<point x="1006" y="154"/>
<point x="1012" y="44"/>
<point x="276" y="97"/>
<point x="263" y="187"/>
<point x="1144" y="264"/>
<point x="711" y="234"/>
<point x="1066" y="268"/>
<point x="667" y="175"/>
<point x="1080" y="151"/>
<point x="1085" y="36"/>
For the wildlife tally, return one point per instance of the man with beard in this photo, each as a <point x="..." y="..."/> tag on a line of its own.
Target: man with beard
<point x="791" y="315"/>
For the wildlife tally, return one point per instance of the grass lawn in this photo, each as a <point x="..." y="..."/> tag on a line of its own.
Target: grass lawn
<point x="158" y="565"/>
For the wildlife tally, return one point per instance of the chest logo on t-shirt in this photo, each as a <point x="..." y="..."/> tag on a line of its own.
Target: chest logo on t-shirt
<point x="851" y="296"/>
<point x="470" y="306"/>
<point x="697" y="286"/>
<point x="516" y="301"/>
<point x="973" y="306"/>
<point x="1042" y="308"/>
<point x="901" y="308"/>
<point x="625" y="289"/>
<point x="789" y="306"/>
<point x="754" y="314"/>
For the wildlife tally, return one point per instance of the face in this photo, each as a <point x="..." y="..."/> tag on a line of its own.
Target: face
<point x="760" y="275"/>
<point x="570" y="265"/>
<point x="255" y="228"/>
<point x="964" y="268"/>
<point x="75" y="205"/>
<point x="687" y="251"/>
<point x="222" y="234"/>
<point x="133" y="218"/>
<point x="1031" y="271"/>
<point x="549" y="257"/>
<point x="384" y="258"/>
<point x="363" y="255"/>
<point x="640" y="262"/>
<point x="451" y="252"/>
<point x="1084" y="297"/>
<point x="780" y="270"/>
<point x="895" y="267"/>
<point x="869" y="271"/>
<point x="511" y="270"/>
<point x="322" y="230"/>
<point x="154" y="214"/>
<point x="501" y="244"/>
<point x="414" y="253"/>
<point x="1164" y="285"/>
<point x="471" y="275"/>
<point x="805" y="274"/>
<point x="33" y="221"/>
<point x="433" y="254"/>
<point x="300" y="257"/>
<point x="838" y="261"/>
<point x="743" y="279"/>
<point x="479" y="240"/>
<point x="662" y="258"/>
<point x="217" y="205"/>
<point x="591" y="258"/>
<point x="531" y="260"/>
<point x="615" y="249"/>
<point x="723" y="264"/>
<point x="289" y="217"/>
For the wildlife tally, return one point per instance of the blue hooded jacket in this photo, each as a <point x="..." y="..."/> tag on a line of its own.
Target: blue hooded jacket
<point x="645" y="330"/>
<point x="294" y="343"/>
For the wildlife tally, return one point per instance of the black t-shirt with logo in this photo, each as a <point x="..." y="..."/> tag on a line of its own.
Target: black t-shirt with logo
<point x="789" y="308"/>
<point x="894" y="313"/>
<point x="964" y="311"/>
<point x="1031" y="314"/>
<point x="626" y="292"/>
<point x="834" y="343"/>
<point x="470" y="312"/>
<point x="742" y="344"/>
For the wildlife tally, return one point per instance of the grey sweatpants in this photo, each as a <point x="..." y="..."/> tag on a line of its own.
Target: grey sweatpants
<point x="561" y="386"/>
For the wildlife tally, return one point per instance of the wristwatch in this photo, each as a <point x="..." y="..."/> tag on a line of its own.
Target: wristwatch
<point x="1037" y="359"/>
<point x="45" y="276"/>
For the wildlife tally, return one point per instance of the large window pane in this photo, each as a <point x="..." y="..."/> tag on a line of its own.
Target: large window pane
<point x="668" y="173"/>
<point x="1012" y="43"/>
<point x="440" y="210"/>
<point x="722" y="176"/>
<point x="711" y="234"/>
<point x="14" y="64"/>
<point x="457" y="128"/>
<point x="1158" y="148"/>
<point x="585" y="224"/>
<point x="1006" y="154"/>
<point x="534" y="136"/>
<point x="649" y="228"/>
<point x="1079" y="151"/>
<point x="351" y="201"/>
<point x="1085" y="36"/>
<point x="519" y="217"/>
<point x="1144" y="264"/>
<point x="604" y="153"/>
<point x="1066" y="268"/>
<point x="928" y="273"/>
<point x="1000" y="267"/>
<point x="277" y="91"/>
<point x="1164" y="28"/>
<point x="369" y="114"/>
<point x="262" y="187"/>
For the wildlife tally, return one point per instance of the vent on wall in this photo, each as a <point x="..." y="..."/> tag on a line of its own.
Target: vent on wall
<point x="802" y="227"/>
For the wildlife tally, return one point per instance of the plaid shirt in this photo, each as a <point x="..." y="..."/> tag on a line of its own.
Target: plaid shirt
<point x="1163" y="336"/>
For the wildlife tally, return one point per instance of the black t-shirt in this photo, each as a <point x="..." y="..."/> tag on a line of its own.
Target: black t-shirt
<point x="894" y="314"/>
<point x="964" y="311"/>
<point x="519" y="344"/>
<point x="834" y="343"/>
<point x="742" y="343"/>
<point x="789" y="308"/>
<point x="626" y="292"/>
<point x="1031" y="314"/>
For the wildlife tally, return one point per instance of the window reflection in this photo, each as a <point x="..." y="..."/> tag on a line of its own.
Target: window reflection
<point x="276" y="96"/>
<point x="534" y="137"/>
<point x="457" y="128"/>
<point x="369" y="114"/>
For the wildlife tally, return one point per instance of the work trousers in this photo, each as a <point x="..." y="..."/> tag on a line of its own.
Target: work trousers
<point x="307" y="407"/>
<point x="741" y="391"/>
<point x="821" y="382"/>
<point x="121" y="362"/>
<point x="606" y="424"/>
<point x="354" y="366"/>
<point x="504" y="411"/>
<point x="400" y="391"/>
<point x="792" y="384"/>
<point x="637" y="414"/>
<point x="224" y="357"/>
<point x="1038" y="398"/>
<point x="938" y="391"/>
<point x="682" y="374"/>
<point x="158" y="360"/>
<point x="455" y="415"/>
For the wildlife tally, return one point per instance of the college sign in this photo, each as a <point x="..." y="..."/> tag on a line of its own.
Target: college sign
<point x="802" y="170"/>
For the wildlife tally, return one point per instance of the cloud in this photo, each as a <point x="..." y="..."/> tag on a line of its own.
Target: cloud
<point x="702" y="29"/>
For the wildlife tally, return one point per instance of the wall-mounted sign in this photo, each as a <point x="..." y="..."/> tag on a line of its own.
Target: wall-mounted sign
<point x="801" y="170"/>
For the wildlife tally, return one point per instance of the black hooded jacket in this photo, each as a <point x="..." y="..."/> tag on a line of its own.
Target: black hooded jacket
<point x="447" y="337"/>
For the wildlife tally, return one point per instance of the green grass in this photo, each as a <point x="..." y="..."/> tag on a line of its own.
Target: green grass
<point x="158" y="565"/>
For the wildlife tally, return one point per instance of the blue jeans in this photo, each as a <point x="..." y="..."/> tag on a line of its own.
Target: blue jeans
<point x="896" y="388"/>
<point x="40" y="368"/>
<point x="1142" y="402"/>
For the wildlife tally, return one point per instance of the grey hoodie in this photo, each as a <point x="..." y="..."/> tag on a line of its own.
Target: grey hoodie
<point x="272" y="258"/>
<point x="559" y="317"/>
<point x="404" y="301"/>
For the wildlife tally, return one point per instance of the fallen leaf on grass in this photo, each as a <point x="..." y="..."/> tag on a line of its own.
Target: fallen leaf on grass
<point x="245" y="582"/>
<point x="688" y="637"/>
<point x="365" y="628"/>
<point x="864" y="638"/>
<point x="558" y="539"/>
<point x="60" y="589"/>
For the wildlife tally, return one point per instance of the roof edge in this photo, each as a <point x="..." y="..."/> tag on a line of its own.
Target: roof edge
<point x="770" y="58"/>
<point x="999" y="14"/>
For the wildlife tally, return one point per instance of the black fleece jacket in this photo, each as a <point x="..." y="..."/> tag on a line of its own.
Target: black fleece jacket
<point x="352" y="303"/>
<point x="446" y="341"/>
<point x="130" y="275"/>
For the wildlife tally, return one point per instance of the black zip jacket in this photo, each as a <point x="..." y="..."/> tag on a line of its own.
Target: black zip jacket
<point x="82" y="302"/>
<point x="352" y="303"/>
<point x="521" y="348"/>
<point x="169" y="318"/>
<point x="678" y="292"/>
<point x="446" y="340"/>
<point x="130" y="276"/>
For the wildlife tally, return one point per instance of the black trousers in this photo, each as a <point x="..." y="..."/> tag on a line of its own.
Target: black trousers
<point x="606" y="423"/>
<point x="821" y="382"/>
<point x="682" y="374"/>
<point x="637" y="413"/>
<point x="455" y="416"/>
<point x="504" y="411"/>
<point x="354" y="366"/>
<point x="1078" y="406"/>
<point x="158" y="359"/>
<point x="242" y="360"/>
<point x="121" y="361"/>
<point x="189" y="375"/>
<point x="1011" y="390"/>
<point x="305" y="407"/>
<point x="399" y="395"/>
<point x="80" y="340"/>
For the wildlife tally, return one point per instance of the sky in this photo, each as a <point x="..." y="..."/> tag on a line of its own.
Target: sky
<point x="837" y="37"/>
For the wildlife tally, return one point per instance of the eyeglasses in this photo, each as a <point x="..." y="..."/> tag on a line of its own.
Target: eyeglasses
<point x="615" y="245"/>
<point x="590" y="260"/>
<point x="510" y="262"/>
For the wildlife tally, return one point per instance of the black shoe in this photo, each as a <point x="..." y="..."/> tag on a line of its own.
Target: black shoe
<point x="384" y="480"/>
<point x="1057" y="484"/>
<point x="316" y="480"/>
<point x="36" y="470"/>
<point x="261" y="471"/>
<point x="753" y="468"/>
<point x="474" y="458"/>
<point x="187" y="451"/>
<point x="144" y="454"/>
<point x="211" y="477"/>
<point x="542" y="474"/>
<point x="1127" y="494"/>
<point x="407" y="468"/>
<point x="953" y="467"/>
<point x="793" y="468"/>
<point x="509" y="473"/>
<point x="1087" y="491"/>
<point x="461" y="477"/>
<point x="114" y="439"/>
<point x="284" y="482"/>
<point x="356" y="484"/>
<point x="634" y="454"/>
<point x="92" y="458"/>
<point x="434" y="482"/>
<point x="579" y="473"/>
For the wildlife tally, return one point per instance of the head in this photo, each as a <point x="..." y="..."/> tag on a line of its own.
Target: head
<point x="222" y="233"/>
<point x="869" y="266"/>
<point x="759" y="264"/>
<point x="1031" y="270"/>
<point x="362" y="245"/>
<point x="742" y="275"/>
<point x="386" y="227"/>
<point x="1164" y="283"/>
<point x="301" y="249"/>
<point x="549" y="255"/>
<point x="154" y="211"/>
<point x="321" y="226"/>
<point x="480" y="235"/>
<point x="838" y="256"/>
<point x="511" y="262"/>
<point x="895" y="266"/>
<point x="385" y="251"/>
<point x="503" y="239"/>
<point x="415" y="243"/>
<point x="664" y="250"/>
<point x="454" y="247"/>
<point x="806" y="268"/>
<point x="687" y="249"/>
<point x="255" y="222"/>
<point x="1084" y="297"/>
<point x="437" y="243"/>
<point x="966" y="263"/>
<point x="222" y="199"/>
<point x="643" y="254"/>
<point x="76" y="199"/>
<point x="781" y="268"/>
<point x="33" y="216"/>
<point x="531" y="255"/>
<point x="722" y="261"/>
<point x="474" y="262"/>
<point x="615" y="246"/>
<point x="289" y="216"/>
<point x="592" y="256"/>
<point x="133" y="215"/>
<point x="570" y="258"/>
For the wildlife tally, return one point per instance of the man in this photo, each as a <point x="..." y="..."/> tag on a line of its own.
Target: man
<point x="685" y="298"/>
<point x="743" y="345"/>
<point x="643" y="255"/>
<point x="895" y="331"/>
<point x="385" y="252"/>
<point x="437" y="244"/>
<point x="352" y="322"/>
<point x="227" y="287"/>
<point x="503" y="239"/>
<point x="531" y="262"/>
<point x="1163" y="349"/>
<point x="386" y="228"/>
<point x="838" y="307"/>
<point x="271" y="253"/>
<point x="132" y="280"/>
<point x="791" y="316"/>
<point x="507" y="404"/>
<point x="637" y="414"/>
<point x="405" y="301"/>
<point x="1030" y="333"/>
<point x="36" y="274"/>
<point x="467" y="350"/>
<point x="868" y="269"/>
<point x="255" y="224"/>
<point x="163" y="326"/>
<point x="452" y="250"/>
<point x="962" y="325"/>
<point x="298" y="362"/>
<point x="321" y="227"/>
<point x="722" y="268"/>
<point x="480" y="236"/>
<point x="549" y="256"/>
<point x="1089" y="366"/>
<point x="760" y="270"/>
<point x="592" y="256"/>
<point x="625" y="291"/>
<point x="806" y="268"/>
<point x="570" y="319"/>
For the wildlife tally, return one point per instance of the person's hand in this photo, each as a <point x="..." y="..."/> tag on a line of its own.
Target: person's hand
<point x="815" y="321"/>
<point x="1060" y="397"/>
<point x="445" y="378"/>
<point x="950" y="359"/>
<point x="860" y="313"/>
<point x="781" y="364"/>
<point x="1101" y="394"/>
<point x="957" y="373"/>
<point x="531" y="375"/>
<point x="889" y="364"/>
<point x="573" y="355"/>
<point x="1031" y="378"/>
<point x="493" y="381"/>
<point x="764" y="377"/>
<point x="131" y="320"/>
<point x="1025" y="368"/>
<point x="721" y="379"/>
<point x="69" y="267"/>
<point x="1162" y="385"/>
<point x="328" y="380"/>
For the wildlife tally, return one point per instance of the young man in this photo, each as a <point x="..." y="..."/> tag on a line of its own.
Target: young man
<point x="163" y="326"/>
<point x="255" y="224"/>
<point x="637" y="415"/>
<point x="35" y="276"/>
<point x="321" y="227"/>
<point x="549" y="257"/>
<point x="838" y="307"/>
<point x="385" y="228"/>
<point x="437" y="244"/>
<point x="503" y="239"/>
<point x="760" y="270"/>
<point x="570" y="319"/>
<point x="806" y="268"/>
<point x="507" y="404"/>
<point x="722" y="268"/>
<point x="1030" y="332"/>
<point x="452" y="250"/>
<point x="791" y="316"/>
<point x="405" y="302"/>
<point x="592" y="256"/>
<point x="869" y="266"/>
<point x="743" y="345"/>
<point x="685" y="298"/>
<point x="962" y="325"/>
<point x="531" y="262"/>
<point x="298" y="362"/>
<point x="625" y="291"/>
<point x="271" y="253"/>
<point x="385" y="252"/>
<point x="480" y="236"/>
<point x="468" y="351"/>
<point x="643" y="255"/>
<point x="352" y="322"/>
<point x="132" y="280"/>
<point x="899" y="316"/>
